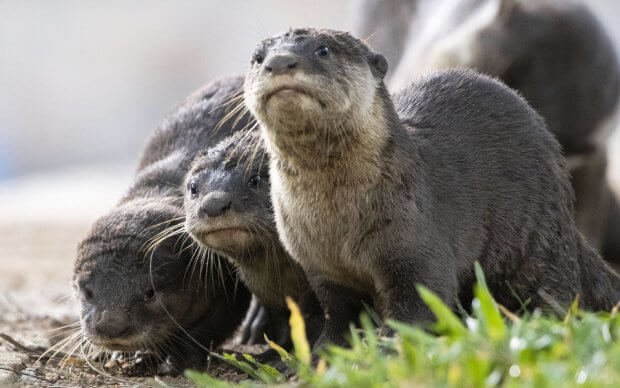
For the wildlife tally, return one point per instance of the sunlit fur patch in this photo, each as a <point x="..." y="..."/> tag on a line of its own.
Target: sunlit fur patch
<point x="443" y="42"/>
<point x="459" y="48"/>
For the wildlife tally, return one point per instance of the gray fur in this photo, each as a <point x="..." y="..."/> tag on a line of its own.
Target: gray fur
<point x="113" y="268"/>
<point x="558" y="55"/>
<point x="233" y="177"/>
<point x="561" y="59"/>
<point x="373" y="198"/>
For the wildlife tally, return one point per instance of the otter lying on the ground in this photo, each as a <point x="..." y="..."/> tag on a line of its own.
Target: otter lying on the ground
<point x="131" y="274"/>
<point x="228" y="211"/>
<point x="373" y="199"/>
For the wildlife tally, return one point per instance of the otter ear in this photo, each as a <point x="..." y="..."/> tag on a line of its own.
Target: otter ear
<point x="378" y="63"/>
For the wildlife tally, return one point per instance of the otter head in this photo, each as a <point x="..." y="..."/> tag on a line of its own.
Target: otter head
<point x="309" y="85"/>
<point x="130" y="297"/>
<point x="227" y="203"/>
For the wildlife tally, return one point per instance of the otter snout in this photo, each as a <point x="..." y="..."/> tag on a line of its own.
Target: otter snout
<point x="215" y="204"/>
<point x="112" y="324"/>
<point x="281" y="64"/>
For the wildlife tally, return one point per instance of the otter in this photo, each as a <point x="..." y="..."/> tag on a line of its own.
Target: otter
<point x="374" y="196"/>
<point x="131" y="301"/>
<point x="228" y="211"/>
<point x="129" y="274"/>
<point x="559" y="56"/>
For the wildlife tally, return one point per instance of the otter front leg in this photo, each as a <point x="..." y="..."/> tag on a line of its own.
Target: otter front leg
<point x="398" y="297"/>
<point x="253" y="323"/>
<point x="341" y="306"/>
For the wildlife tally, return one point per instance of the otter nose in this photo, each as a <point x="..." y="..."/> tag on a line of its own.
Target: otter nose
<point x="216" y="204"/>
<point x="112" y="324"/>
<point x="281" y="64"/>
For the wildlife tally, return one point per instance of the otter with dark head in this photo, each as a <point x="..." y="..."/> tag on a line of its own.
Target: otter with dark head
<point x="132" y="299"/>
<point x="372" y="199"/>
<point x="228" y="211"/>
<point x="130" y="271"/>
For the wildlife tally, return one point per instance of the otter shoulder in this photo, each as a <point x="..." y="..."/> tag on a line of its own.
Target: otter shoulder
<point x="453" y="96"/>
<point x="204" y="108"/>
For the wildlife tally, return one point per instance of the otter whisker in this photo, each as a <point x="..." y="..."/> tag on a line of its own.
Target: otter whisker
<point x="187" y="239"/>
<point x="59" y="346"/>
<point x="168" y="221"/>
<point x="221" y="277"/>
<point x="172" y="317"/>
<point x="76" y="323"/>
<point x="244" y="134"/>
<point x="170" y="231"/>
<point x="240" y="108"/>
<point x="63" y="298"/>
<point x="226" y="102"/>
<point x="152" y="244"/>
<point x="68" y="355"/>
<point x="243" y="113"/>
<point x="63" y="333"/>
<point x="213" y="257"/>
<point x="90" y="364"/>
<point x="194" y="265"/>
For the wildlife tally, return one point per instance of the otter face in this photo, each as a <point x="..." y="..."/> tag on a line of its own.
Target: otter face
<point x="305" y="77"/>
<point x="227" y="202"/>
<point x="127" y="297"/>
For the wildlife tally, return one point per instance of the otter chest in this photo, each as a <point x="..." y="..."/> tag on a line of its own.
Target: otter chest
<point x="324" y="231"/>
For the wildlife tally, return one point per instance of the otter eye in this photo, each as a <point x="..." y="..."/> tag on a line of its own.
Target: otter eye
<point x="88" y="293"/>
<point x="193" y="189"/>
<point x="254" y="180"/>
<point x="148" y="295"/>
<point x="322" y="51"/>
<point x="258" y="58"/>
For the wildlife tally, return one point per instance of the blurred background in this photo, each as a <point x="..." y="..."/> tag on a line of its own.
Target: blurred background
<point x="83" y="83"/>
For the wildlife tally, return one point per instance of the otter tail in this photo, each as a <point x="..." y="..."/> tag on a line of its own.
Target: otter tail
<point x="600" y="283"/>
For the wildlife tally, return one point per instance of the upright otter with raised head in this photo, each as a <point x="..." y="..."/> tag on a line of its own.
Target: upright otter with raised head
<point x="228" y="211"/>
<point x="373" y="199"/>
<point x="133" y="297"/>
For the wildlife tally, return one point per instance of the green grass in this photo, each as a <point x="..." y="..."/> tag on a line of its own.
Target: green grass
<point x="489" y="348"/>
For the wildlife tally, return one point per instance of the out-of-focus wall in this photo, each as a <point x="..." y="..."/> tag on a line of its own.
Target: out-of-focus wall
<point x="86" y="81"/>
